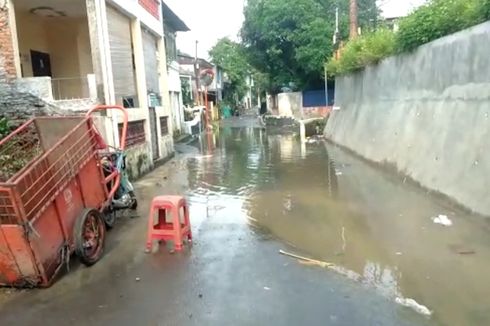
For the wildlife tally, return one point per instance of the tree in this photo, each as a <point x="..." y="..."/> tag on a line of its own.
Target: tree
<point x="290" y="40"/>
<point x="286" y="39"/>
<point x="230" y="57"/>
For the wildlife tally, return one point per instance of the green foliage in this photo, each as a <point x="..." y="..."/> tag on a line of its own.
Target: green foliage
<point x="367" y="49"/>
<point x="186" y="92"/>
<point x="436" y="19"/>
<point x="289" y="40"/>
<point x="231" y="58"/>
<point x="439" y="18"/>
<point x="4" y="127"/>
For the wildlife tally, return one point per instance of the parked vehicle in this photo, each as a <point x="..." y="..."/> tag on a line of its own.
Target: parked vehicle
<point x="53" y="196"/>
<point x="124" y="198"/>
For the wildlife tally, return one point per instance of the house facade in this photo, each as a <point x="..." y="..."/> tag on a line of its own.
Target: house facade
<point x="171" y="25"/>
<point x="75" y="54"/>
<point x="188" y="69"/>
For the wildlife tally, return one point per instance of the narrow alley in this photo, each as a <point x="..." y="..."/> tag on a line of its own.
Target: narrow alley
<point x="253" y="193"/>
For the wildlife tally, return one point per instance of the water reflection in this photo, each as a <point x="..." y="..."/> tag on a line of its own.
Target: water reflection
<point x="338" y="209"/>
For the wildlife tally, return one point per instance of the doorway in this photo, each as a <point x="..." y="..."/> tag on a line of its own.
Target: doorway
<point x="41" y="64"/>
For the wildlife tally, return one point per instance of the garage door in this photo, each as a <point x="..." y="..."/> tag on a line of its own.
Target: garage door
<point x="122" y="57"/>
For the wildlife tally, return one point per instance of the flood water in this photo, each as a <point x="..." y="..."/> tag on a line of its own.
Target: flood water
<point x="337" y="208"/>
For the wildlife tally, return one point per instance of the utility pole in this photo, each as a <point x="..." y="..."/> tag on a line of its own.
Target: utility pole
<point x="336" y="35"/>
<point x="353" y="19"/>
<point x="197" y="72"/>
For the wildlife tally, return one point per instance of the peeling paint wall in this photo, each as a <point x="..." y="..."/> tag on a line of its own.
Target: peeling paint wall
<point x="427" y="113"/>
<point x="138" y="160"/>
<point x="166" y="146"/>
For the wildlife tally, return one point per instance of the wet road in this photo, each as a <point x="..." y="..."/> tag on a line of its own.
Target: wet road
<point x="251" y="194"/>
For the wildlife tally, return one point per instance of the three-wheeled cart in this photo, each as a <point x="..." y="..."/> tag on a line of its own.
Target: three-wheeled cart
<point x="52" y="196"/>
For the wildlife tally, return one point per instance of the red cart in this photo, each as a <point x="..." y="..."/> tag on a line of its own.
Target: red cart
<point x="52" y="196"/>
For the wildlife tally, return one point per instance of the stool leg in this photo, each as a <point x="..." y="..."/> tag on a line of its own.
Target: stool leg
<point x="177" y="229"/>
<point x="149" y="234"/>
<point x="187" y="222"/>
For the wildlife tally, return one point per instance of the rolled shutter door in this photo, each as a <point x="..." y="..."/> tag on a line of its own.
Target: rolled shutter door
<point x="150" y="49"/>
<point x="119" y="27"/>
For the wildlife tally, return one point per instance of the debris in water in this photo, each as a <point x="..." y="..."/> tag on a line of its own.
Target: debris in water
<point x="338" y="173"/>
<point x="398" y="253"/>
<point x="460" y="249"/>
<point x="200" y="295"/>
<point x="201" y="157"/>
<point x="311" y="140"/>
<point x="442" y="220"/>
<point x="306" y="260"/>
<point x="267" y="288"/>
<point x="411" y="303"/>
<point x="138" y="279"/>
<point x="467" y="252"/>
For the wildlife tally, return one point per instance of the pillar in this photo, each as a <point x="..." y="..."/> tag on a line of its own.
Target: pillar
<point x="100" y="48"/>
<point x="9" y="52"/>
<point x="139" y="62"/>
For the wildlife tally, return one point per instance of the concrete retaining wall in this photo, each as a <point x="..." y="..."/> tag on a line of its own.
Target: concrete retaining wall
<point x="289" y="104"/>
<point x="427" y="113"/>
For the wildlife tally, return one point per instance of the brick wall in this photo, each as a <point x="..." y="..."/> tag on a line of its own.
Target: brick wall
<point x="7" y="59"/>
<point x="152" y="6"/>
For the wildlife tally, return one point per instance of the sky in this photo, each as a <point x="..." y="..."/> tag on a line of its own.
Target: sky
<point x="208" y="26"/>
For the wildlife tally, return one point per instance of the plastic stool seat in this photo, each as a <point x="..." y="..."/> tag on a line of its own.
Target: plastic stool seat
<point x="174" y="230"/>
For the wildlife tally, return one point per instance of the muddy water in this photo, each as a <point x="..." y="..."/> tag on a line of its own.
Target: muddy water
<point x="339" y="209"/>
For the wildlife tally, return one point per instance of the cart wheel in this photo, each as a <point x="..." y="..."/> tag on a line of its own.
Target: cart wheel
<point x="134" y="201"/>
<point x="89" y="235"/>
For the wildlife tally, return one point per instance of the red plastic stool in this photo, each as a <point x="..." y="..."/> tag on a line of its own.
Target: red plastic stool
<point x="169" y="207"/>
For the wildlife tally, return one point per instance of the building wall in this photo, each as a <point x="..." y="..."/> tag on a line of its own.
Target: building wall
<point x="7" y="51"/>
<point x="67" y="42"/>
<point x="32" y="35"/>
<point x="426" y="113"/>
<point x="138" y="160"/>
<point x="84" y="49"/>
<point x="88" y="44"/>
<point x="140" y="157"/>
<point x="133" y="9"/>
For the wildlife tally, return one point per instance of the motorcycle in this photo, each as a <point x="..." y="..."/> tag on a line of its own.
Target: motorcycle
<point x="124" y="197"/>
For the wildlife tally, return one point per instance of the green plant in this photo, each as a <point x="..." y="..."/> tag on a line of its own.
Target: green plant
<point x="439" y="18"/>
<point x="436" y="19"/>
<point x="4" y="127"/>
<point x="362" y="51"/>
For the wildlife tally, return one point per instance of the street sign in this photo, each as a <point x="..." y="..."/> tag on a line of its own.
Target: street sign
<point x="206" y="77"/>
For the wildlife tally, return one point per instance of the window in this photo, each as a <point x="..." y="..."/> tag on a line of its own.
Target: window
<point x="164" y="126"/>
<point x="135" y="134"/>
<point x="170" y="46"/>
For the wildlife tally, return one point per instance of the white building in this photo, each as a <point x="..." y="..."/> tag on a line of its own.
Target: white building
<point x="74" y="54"/>
<point x="172" y="25"/>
